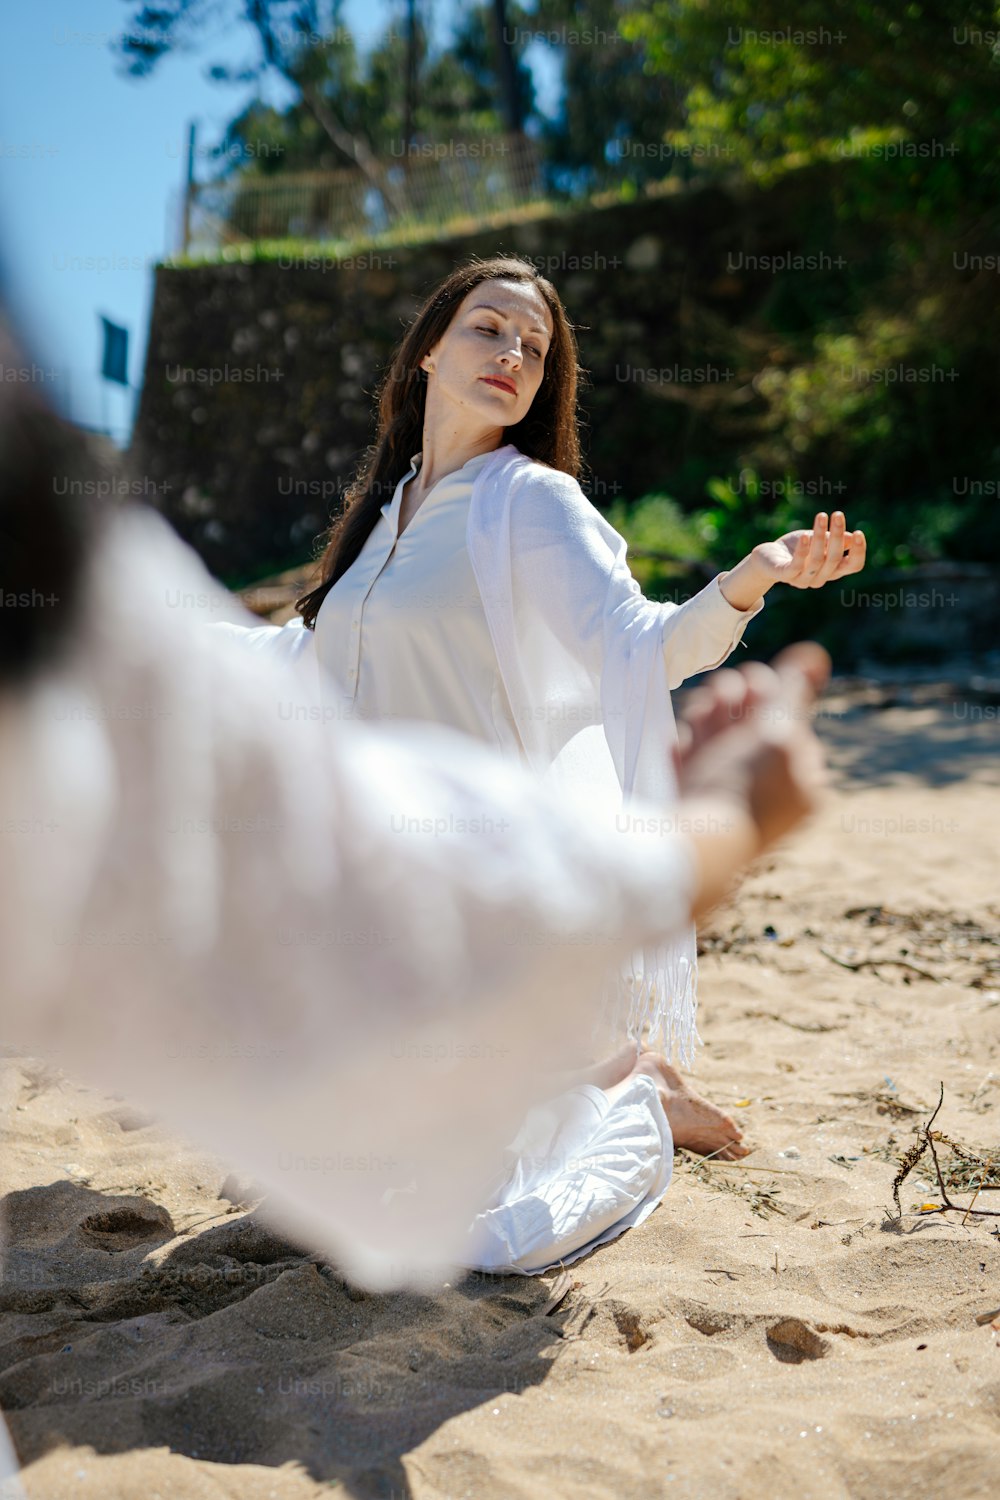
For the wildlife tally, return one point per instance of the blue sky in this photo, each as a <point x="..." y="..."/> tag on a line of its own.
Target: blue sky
<point x="91" y="166"/>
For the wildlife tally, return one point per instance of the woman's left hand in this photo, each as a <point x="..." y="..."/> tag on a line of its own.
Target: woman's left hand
<point x="808" y="559"/>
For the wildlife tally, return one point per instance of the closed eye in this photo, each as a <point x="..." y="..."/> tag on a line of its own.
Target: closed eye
<point x="532" y="348"/>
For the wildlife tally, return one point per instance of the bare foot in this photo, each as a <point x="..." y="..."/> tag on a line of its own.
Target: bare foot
<point x="695" y="1122"/>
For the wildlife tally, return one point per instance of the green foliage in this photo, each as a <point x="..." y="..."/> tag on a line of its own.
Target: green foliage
<point x="457" y="97"/>
<point x="748" y="509"/>
<point x="657" y="525"/>
<point x="309" y="43"/>
<point x="614" y="115"/>
<point x="886" y="382"/>
<point x="884" y="86"/>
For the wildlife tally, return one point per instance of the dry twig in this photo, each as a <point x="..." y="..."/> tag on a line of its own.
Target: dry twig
<point x="877" y="963"/>
<point x="926" y="1142"/>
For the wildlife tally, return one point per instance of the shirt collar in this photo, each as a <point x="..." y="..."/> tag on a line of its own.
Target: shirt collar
<point x="392" y="507"/>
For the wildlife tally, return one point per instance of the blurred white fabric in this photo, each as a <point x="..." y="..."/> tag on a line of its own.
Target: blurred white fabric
<point x="332" y="958"/>
<point x="10" y="1486"/>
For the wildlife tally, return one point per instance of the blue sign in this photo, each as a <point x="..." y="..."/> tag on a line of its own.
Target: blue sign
<point x="115" y="363"/>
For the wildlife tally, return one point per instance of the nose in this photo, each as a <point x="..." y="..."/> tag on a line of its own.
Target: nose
<point x="513" y="356"/>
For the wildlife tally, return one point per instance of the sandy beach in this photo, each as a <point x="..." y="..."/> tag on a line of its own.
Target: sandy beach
<point x="773" y="1330"/>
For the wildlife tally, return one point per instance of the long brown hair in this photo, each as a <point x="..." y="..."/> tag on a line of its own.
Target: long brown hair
<point x="548" y="432"/>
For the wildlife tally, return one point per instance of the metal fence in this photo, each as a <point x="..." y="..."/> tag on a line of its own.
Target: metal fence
<point x="432" y="184"/>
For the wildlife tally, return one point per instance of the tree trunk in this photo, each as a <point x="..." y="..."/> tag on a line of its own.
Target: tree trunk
<point x="508" y="69"/>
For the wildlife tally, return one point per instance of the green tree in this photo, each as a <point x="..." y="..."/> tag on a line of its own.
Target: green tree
<point x="888" y="86"/>
<point x="614" y="113"/>
<point x="350" y="108"/>
<point x="897" y="104"/>
<point x="304" y="41"/>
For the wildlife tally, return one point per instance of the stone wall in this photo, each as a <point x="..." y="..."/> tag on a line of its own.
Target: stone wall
<point x="257" y="400"/>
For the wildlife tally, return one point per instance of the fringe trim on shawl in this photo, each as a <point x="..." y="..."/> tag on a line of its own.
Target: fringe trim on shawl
<point x="654" y="1002"/>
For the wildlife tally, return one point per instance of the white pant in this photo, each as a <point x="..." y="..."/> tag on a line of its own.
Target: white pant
<point x="583" y="1169"/>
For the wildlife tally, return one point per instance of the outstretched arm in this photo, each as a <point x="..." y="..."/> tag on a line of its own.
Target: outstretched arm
<point x="567" y="566"/>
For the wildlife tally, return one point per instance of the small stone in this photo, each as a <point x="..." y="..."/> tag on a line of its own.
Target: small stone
<point x="644" y="253"/>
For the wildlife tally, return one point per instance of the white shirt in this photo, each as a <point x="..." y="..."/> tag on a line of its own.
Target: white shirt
<point x="403" y="632"/>
<point x="587" y="664"/>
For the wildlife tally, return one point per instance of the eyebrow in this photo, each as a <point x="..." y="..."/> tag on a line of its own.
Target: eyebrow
<point x="488" y="307"/>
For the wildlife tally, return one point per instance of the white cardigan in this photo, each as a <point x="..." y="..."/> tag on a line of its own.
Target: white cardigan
<point x="588" y="663"/>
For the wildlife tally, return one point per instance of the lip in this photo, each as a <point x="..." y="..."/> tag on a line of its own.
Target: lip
<point x="501" y="383"/>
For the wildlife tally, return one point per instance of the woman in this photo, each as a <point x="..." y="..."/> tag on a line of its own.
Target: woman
<point x="172" y="840"/>
<point x="469" y="582"/>
<point x="118" y="719"/>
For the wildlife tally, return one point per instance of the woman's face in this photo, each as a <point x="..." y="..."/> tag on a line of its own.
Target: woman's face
<point x="491" y="359"/>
